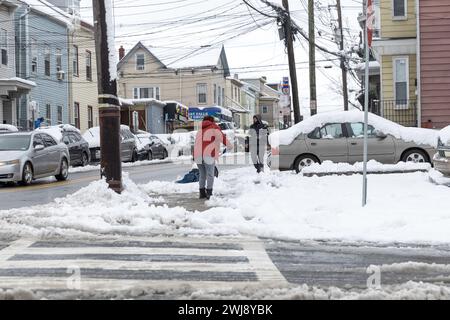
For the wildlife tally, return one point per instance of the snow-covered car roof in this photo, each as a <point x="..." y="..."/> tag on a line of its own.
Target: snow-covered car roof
<point x="417" y="135"/>
<point x="57" y="131"/>
<point x="92" y="136"/>
<point x="7" y="128"/>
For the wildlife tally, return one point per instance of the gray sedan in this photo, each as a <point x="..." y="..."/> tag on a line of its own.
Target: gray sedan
<point x="343" y="142"/>
<point x="25" y="157"/>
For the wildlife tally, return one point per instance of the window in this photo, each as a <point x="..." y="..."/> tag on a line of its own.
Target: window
<point x="37" y="141"/>
<point x="332" y="131"/>
<point x="75" y="64"/>
<point x="201" y="93"/>
<point x="219" y="94"/>
<point x="215" y="94"/>
<point x="58" y="60"/>
<point x="88" y="65"/>
<point x="223" y="96"/>
<point x="47" y="58"/>
<point x="147" y="93"/>
<point x="358" y="130"/>
<point x="401" y="85"/>
<point x="265" y="109"/>
<point x="34" y="56"/>
<point x="4" y="46"/>
<point x="399" y="8"/>
<point x="90" y="117"/>
<point x="140" y="61"/>
<point x="48" y="141"/>
<point x="48" y="113"/>
<point x="76" y="114"/>
<point x="60" y="114"/>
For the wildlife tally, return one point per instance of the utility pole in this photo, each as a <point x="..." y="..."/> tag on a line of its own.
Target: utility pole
<point x="292" y="66"/>
<point x="109" y="107"/>
<point x="312" y="59"/>
<point x="341" y="47"/>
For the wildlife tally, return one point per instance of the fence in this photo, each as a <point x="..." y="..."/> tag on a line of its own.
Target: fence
<point x="403" y="112"/>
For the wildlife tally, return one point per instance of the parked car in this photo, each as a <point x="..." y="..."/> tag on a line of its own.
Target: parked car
<point x="128" y="149"/>
<point x="25" y="157"/>
<point x="442" y="157"/>
<point x="7" y="128"/>
<point x="150" y="147"/>
<point x="71" y="136"/>
<point x="339" y="137"/>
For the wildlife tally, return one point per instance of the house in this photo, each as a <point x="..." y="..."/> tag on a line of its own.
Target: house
<point x="11" y="86"/>
<point x="42" y="32"/>
<point x="412" y="48"/>
<point x="233" y="102"/>
<point x="269" y="102"/>
<point x="82" y="71"/>
<point x="250" y="101"/>
<point x="193" y="78"/>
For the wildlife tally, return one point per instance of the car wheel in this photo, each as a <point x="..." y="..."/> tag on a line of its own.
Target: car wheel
<point x="150" y="156"/>
<point x="64" y="171"/>
<point x="165" y="154"/>
<point x="134" y="156"/>
<point x="304" y="162"/>
<point x="84" y="159"/>
<point x="415" y="156"/>
<point x="27" y="175"/>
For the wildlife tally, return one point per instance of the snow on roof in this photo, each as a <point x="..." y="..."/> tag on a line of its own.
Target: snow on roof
<point x="20" y="80"/>
<point x="417" y="135"/>
<point x="56" y="131"/>
<point x="8" y="128"/>
<point x="50" y="10"/>
<point x="444" y="135"/>
<point x="187" y="57"/>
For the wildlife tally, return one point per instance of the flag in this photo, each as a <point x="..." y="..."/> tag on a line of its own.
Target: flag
<point x="370" y="21"/>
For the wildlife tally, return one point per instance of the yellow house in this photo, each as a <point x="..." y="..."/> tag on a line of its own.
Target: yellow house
<point x="83" y="78"/>
<point x="395" y="46"/>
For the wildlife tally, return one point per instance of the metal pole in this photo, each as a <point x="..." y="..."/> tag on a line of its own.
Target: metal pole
<point x="366" y="115"/>
<point x="109" y="107"/>
<point x="341" y="47"/>
<point x="292" y="66"/>
<point x="312" y="59"/>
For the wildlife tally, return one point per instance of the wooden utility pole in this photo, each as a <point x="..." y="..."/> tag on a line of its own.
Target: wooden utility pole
<point x="342" y="47"/>
<point x="109" y="107"/>
<point x="287" y="24"/>
<point x="312" y="59"/>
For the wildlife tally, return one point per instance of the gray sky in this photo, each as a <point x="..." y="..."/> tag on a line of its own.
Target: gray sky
<point x="251" y="39"/>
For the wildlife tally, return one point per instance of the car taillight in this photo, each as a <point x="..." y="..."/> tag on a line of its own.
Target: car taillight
<point x="275" y="151"/>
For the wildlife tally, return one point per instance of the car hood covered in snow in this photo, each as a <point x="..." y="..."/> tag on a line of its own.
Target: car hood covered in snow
<point x="444" y="135"/>
<point x="417" y="135"/>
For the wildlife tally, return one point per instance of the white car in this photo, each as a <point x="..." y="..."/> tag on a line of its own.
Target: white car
<point x="7" y="128"/>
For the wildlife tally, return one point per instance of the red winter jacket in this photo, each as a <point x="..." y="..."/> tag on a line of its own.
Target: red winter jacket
<point x="208" y="140"/>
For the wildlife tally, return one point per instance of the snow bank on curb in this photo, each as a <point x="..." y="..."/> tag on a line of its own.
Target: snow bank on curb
<point x="372" y="166"/>
<point x="438" y="178"/>
<point x="418" y="135"/>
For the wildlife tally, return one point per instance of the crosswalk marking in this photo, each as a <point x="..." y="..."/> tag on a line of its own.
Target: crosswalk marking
<point x="109" y="264"/>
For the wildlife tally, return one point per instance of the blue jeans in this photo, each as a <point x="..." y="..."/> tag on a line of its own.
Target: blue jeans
<point x="207" y="170"/>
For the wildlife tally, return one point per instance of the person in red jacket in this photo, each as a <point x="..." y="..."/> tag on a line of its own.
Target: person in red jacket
<point x="206" y="152"/>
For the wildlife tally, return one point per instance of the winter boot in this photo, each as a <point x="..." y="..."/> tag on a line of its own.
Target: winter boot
<point x="203" y="194"/>
<point x="209" y="193"/>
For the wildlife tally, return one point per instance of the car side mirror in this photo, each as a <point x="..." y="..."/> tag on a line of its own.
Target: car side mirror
<point x="39" y="147"/>
<point x="380" y="135"/>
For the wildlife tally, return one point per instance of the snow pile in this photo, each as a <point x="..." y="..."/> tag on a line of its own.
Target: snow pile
<point x="445" y="135"/>
<point x="124" y="165"/>
<point x="438" y="178"/>
<point x="372" y="166"/>
<point x="8" y="128"/>
<point x="416" y="135"/>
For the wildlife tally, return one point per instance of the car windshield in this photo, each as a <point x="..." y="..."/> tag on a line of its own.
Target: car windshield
<point x="14" y="143"/>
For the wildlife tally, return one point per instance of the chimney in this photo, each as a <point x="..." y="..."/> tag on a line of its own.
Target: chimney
<point x="121" y="53"/>
<point x="236" y="76"/>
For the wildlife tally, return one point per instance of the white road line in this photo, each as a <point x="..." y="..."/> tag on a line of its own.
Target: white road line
<point x="129" y="265"/>
<point x="134" y="251"/>
<point x="263" y="265"/>
<point x="15" y="248"/>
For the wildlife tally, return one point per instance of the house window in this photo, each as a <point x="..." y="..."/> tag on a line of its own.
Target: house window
<point x="399" y="8"/>
<point x="219" y="96"/>
<point x="4" y="46"/>
<point x="147" y="93"/>
<point x="88" y="65"/>
<point x="223" y="96"/>
<point x="265" y="109"/>
<point x="75" y="62"/>
<point x="140" y="61"/>
<point x="34" y="56"/>
<point x="58" y="60"/>
<point x="76" y="114"/>
<point x="401" y="82"/>
<point x="60" y="114"/>
<point x="201" y="93"/>
<point x="215" y="94"/>
<point x="90" y="117"/>
<point x="48" y="113"/>
<point x="47" y="57"/>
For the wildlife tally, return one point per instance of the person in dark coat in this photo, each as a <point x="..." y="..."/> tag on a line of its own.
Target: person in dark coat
<point x="258" y="142"/>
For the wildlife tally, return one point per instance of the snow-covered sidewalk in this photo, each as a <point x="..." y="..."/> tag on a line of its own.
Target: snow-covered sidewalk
<point x="402" y="208"/>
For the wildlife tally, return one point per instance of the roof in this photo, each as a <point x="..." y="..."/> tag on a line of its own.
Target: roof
<point x="133" y="51"/>
<point x="47" y="9"/>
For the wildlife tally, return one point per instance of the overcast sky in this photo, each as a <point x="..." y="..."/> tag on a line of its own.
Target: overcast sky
<point x="251" y="39"/>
